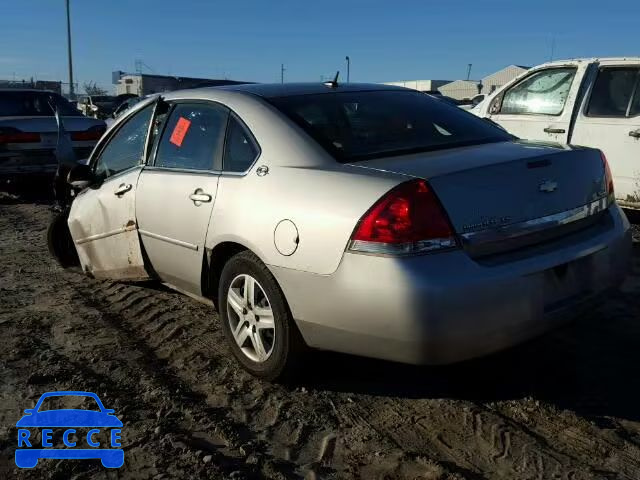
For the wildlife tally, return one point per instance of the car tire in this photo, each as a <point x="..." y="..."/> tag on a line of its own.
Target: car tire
<point x="287" y="345"/>
<point x="59" y="241"/>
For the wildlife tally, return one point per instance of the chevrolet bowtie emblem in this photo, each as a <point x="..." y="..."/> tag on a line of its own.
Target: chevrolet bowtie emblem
<point x="548" y="186"/>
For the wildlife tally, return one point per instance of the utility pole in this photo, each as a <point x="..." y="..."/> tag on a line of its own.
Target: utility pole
<point x="469" y="70"/>
<point x="282" y="69"/>
<point x="348" y="66"/>
<point x="71" y="92"/>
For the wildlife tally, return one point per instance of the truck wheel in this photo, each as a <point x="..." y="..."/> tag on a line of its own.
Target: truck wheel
<point x="256" y="320"/>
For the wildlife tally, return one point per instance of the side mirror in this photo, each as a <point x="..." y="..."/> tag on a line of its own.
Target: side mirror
<point x="80" y="176"/>
<point x="29" y="411"/>
<point x="94" y="108"/>
<point x="496" y="104"/>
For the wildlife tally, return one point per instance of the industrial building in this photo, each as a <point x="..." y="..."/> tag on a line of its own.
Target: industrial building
<point x="498" y="79"/>
<point x="465" y="89"/>
<point x="461" y="89"/>
<point x="144" y="84"/>
<point x="421" y="85"/>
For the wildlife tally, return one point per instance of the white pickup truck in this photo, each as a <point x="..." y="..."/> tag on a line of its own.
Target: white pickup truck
<point x="591" y="102"/>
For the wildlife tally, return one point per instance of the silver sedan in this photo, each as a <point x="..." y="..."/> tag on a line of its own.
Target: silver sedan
<point x="364" y="219"/>
<point x="29" y="132"/>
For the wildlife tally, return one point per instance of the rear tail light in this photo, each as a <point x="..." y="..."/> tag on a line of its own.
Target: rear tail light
<point x="408" y="219"/>
<point x="93" y="133"/>
<point x="13" y="135"/>
<point x="608" y="178"/>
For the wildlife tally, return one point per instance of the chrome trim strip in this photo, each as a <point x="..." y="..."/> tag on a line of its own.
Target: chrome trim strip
<point x="192" y="171"/>
<point x="528" y="227"/>
<point x="173" y="241"/>
<point x="111" y="233"/>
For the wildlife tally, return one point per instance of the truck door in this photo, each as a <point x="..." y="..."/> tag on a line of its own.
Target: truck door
<point x="540" y="105"/>
<point x="610" y="120"/>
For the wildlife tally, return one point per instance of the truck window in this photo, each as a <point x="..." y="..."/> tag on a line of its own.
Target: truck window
<point x="612" y="92"/>
<point x="544" y="92"/>
<point x="635" y="103"/>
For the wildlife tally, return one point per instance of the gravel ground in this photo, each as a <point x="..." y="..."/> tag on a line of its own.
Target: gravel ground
<point x="565" y="406"/>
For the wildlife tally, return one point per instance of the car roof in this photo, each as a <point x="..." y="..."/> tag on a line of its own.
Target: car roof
<point x="272" y="90"/>
<point x="70" y="393"/>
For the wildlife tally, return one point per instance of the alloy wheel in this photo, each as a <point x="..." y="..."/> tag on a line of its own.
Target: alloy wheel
<point x="251" y="318"/>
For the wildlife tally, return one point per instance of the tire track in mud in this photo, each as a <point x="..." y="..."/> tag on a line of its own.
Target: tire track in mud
<point x="161" y="361"/>
<point x="185" y="334"/>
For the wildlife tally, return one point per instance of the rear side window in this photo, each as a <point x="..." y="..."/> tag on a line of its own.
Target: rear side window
<point x="543" y="92"/>
<point x="361" y="125"/>
<point x="612" y="92"/>
<point x="240" y="151"/>
<point x="193" y="137"/>
<point x="34" y="104"/>
<point x="126" y="148"/>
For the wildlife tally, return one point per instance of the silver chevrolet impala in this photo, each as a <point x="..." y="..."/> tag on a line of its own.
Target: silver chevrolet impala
<point x="365" y="219"/>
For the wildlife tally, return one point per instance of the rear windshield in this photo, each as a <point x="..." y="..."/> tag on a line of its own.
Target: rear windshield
<point x="363" y="125"/>
<point x="34" y="104"/>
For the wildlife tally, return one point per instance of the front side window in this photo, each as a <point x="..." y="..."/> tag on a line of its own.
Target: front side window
<point x="544" y="92"/>
<point x="361" y="125"/>
<point x="193" y="137"/>
<point x="612" y="92"/>
<point x="126" y="148"/>
<point x="240" y="151"/>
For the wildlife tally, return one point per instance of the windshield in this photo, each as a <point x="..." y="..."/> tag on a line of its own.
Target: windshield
<point x="62" y="402"/>
<point x="34" y="104"/>
<point x="362" y="125"/>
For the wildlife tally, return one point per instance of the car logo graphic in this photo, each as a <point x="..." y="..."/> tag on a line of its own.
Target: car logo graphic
<point x="548" y="186"/>
<point x="67" y="420"/>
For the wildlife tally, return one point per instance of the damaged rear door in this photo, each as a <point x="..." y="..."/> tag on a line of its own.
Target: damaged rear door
<point x="102" y="219"/>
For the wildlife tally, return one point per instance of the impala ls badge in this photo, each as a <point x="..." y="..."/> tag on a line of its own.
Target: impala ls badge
<point x="548" y="186"/>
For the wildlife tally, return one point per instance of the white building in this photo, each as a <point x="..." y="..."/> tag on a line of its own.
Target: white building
<point x="421" y="85"/>
<point x="465" y="89"/>
<point x="461" y="89"/>
<point x="498" y="79"/>
<point x="144" y="84"/>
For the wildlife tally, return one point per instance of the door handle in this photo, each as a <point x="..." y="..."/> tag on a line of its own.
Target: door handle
<point x="554" y="130"/>
<point x="199" y="197"/>
<point x="635" y="133"/>
<point x="123" y="188"/>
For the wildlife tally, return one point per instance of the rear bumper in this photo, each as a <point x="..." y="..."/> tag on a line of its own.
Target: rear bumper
<point x="444" y="308"/>
<point x="27" y="162"/>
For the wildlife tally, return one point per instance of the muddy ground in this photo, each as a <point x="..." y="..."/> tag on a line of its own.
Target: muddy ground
<point x="565" y="406"/>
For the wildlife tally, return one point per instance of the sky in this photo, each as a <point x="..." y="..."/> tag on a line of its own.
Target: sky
<point x="249" y="40"/>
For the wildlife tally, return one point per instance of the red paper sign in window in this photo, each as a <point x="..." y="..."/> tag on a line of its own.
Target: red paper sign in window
<point x="179" y="131"/>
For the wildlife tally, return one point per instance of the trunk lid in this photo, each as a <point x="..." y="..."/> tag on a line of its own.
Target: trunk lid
<point x="48" y="124"/>
<point x="490" y="186"/>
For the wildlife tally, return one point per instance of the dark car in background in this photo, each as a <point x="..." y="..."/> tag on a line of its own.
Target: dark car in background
<point x="29" y="132"/>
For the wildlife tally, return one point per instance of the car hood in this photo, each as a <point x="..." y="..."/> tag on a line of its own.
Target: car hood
<point x="69" y="418"/>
